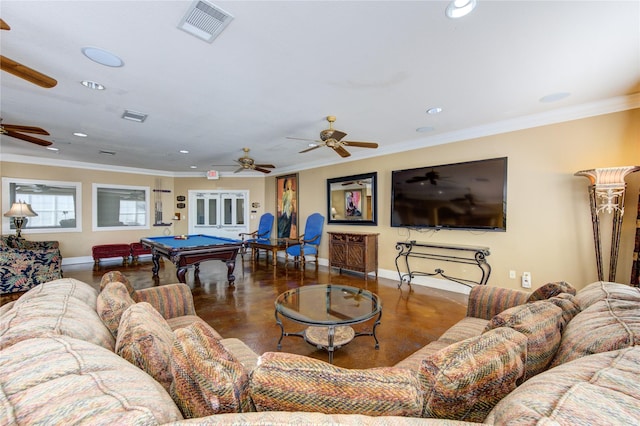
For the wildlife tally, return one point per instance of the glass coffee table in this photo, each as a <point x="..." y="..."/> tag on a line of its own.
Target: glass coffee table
<point x="329" y="311"/>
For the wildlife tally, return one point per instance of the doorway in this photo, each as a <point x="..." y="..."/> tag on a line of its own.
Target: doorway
<point x="218" y="213"/>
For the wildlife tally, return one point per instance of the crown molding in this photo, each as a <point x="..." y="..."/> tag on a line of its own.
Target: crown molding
<point x="559" y="115"/>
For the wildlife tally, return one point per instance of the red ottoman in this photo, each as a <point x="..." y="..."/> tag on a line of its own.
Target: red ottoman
<point x="105" y="251"/>
<point x="137" y="249"/>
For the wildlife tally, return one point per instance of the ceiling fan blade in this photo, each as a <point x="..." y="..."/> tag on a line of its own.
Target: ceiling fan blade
<point x="26" y="73"/>
<point x="4" y="25"/>
<point x="260" y="169"/>
<point x="268" y="166"/>
<point x="239" y="170"/>
<point x="27" y="138"/>
<point x="337" y="135"/>
<point x="361" y="144"/>
<point x="304" y="139"/>
<point x="341" y="151"/>
<point x="310" y="149"/>
<point x="25" y="129"/>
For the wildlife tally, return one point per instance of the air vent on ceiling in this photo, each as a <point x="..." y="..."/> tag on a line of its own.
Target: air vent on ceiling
<point x="134" y="116"/>
<point x="205" y="20"/>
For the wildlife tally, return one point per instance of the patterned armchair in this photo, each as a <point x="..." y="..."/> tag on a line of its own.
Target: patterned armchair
<point x="25" y="264"/>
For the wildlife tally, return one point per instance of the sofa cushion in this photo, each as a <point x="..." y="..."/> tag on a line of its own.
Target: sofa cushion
<point x="463" y="329"/>
<point x="145" y="340"/>
<point x="601" y="389"/>
<point x="112" y="301"/>
<point x="550" y="290"/>
<point x="61" y="380"/>
<point x="61" y="307"/>
<point x="602" y="290"/>
<point x="466" y="379"/>
<point x="289" y="382"/>
<point x="606" y="325"/>
<point x="207" y="378"/>
<point x="542" y="322"/>
<point x="186" y="321"/>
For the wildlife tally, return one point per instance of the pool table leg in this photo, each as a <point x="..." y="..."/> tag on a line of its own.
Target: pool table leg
<point x="155" y="258"/>
<point x="181" y="273"/>
<point x="231" y="265"/>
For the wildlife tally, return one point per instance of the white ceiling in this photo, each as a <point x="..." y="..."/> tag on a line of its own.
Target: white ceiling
<point x="281" y="67"/>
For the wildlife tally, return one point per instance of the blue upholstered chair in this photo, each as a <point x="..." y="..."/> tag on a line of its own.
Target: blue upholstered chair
<point x="309" y="241"/>
<point x="263" y="233"/>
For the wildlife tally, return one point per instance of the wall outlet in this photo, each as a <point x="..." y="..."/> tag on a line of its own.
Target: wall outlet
<point x="512" y="275"/>
<point x="526" y="279"/>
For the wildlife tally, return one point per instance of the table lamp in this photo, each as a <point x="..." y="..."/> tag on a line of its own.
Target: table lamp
<point x="18" y="212"/>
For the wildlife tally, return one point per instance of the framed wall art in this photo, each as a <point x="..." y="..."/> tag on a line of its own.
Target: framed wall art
<point x="287" y="206"/>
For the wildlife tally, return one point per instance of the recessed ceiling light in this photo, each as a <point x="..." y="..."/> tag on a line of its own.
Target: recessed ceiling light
<point x="193" y="167"/>
<point x="92" y="85"/>
<point x="554" y="97"/>
<point x="80" y="134"/>
<point x="52" y="148"/>
<point x="102" y="57"/>
<point x="184" y="151"/>
<point x="460" y="8"/>
<point x="425" y="129"/>
<point x="435" y="110"/>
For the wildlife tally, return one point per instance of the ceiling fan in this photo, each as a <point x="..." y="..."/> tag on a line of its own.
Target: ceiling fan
<point x="333" y="139"/>
<point x="17" y="131"/>
<point x="247" y="163"/>
<point x="23" y="71"/>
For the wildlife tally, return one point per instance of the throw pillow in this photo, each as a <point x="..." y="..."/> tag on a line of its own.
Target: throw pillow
<point x="542" y="323"/>
<point x="567" y="302"/>
<point x="289" y="382"/>
<point x="551" y="289"/>
<point x="119" y="277"/>
<point x="145" y="340"/>
<point x="466" y="379"/>
<point x="207" y="378"/>
<point x="112" y="301"/>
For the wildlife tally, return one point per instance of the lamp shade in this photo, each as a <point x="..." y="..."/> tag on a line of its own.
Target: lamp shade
<point x="20" y="209"/>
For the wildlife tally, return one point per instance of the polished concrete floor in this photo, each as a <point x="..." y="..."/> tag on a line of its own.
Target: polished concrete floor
<point x="411" y="317"/>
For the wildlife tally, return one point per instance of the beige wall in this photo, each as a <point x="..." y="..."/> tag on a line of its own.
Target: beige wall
<point x="548" y="220"/>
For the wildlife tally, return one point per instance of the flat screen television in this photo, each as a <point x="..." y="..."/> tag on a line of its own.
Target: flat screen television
<point x="469" y="195"/>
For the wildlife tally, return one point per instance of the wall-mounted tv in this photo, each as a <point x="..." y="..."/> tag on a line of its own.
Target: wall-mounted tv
<point x="470" y="195"/>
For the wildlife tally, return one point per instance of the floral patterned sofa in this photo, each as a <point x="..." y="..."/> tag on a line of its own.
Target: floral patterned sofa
<point x="25" y="264"/>
<point x="70" y="355"/>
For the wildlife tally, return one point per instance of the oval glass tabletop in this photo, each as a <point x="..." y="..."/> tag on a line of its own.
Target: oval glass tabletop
<point x="328" y="304"/>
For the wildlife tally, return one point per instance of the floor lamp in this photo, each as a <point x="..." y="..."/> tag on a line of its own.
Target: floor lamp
<point x="606" y="194"/>
<point x="19" y="211"/>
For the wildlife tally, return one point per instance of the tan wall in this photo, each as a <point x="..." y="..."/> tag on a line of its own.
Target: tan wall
<point x="78" y="244"/>
<point x="548" y="220"/>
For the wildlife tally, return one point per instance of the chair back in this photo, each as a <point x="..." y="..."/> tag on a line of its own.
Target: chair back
<point x="265" y="226"/>
<point x="313" y="229"/>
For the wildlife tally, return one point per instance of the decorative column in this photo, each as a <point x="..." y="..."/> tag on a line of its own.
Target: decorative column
<point x="606" y="194"/>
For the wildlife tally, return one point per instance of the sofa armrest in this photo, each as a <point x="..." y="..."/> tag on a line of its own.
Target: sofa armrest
<point x="486" y="302"/>
<point x="171" y="300"/>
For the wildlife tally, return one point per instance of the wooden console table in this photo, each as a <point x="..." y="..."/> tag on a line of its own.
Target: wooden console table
<point x="472" y="255"/>
<point x="356" y="251"/>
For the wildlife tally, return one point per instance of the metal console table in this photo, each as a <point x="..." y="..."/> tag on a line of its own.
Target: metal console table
<point x="472" y="255"/>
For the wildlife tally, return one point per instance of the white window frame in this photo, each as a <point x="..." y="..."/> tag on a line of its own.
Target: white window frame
<point x="147" y="198"/>
<point x="6" y="205"/>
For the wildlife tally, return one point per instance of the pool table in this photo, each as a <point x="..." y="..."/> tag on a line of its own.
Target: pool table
<point x="186" y="250"/>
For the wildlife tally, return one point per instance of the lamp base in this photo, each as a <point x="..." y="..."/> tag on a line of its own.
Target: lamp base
<point x="19" y="223"/>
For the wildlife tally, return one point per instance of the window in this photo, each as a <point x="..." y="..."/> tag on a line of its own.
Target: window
<point x="58" y="204"/>
<point x="120" y="207"/>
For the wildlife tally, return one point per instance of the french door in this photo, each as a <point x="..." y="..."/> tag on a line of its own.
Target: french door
<point x="218" y="213"/>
